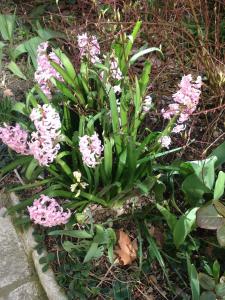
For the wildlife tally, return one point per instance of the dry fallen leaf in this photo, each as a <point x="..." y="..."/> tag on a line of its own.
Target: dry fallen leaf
<point x="7" y="93"/>
<point x="125" y="249"/>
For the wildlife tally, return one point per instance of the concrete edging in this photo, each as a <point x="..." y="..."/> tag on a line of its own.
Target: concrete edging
<point x="47" y="279"/>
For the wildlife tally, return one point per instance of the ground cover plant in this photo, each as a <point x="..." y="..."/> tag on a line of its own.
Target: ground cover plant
<point x="119" y="216"/>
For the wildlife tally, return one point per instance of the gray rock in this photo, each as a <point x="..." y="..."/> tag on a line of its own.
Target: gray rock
<point x="3" y="212"/>
<point x="13" y="264"/>
<point x="48" y="282"/>
<point x="27" y="291"/>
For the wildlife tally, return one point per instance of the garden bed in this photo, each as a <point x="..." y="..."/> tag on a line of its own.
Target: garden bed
<point x="116" y="147"/>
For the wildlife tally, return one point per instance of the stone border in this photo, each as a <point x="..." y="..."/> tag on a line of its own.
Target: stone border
<point x="47" y="279"/>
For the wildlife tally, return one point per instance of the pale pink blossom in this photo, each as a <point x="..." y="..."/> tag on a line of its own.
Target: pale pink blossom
<point x="186" y="100"/>
<point x="47" y="212"/>
<point x="165" y="141"/>
<point x="114" y="69"/>
<point x="91" y="149"/>
<point x="88" y="47"/>
<point x="44" y="70"/>
<point x="147" y="104"/>
<point x="15" y="138"/>
<point x="44" y="144"/>
<point x="178" y="128"/>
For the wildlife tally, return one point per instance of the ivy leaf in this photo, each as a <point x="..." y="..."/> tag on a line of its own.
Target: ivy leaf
<point x="184" y="226"/>
<point x="219" y="186"/>
<point x="221" y="235"/>
<point x="206" y="282"/>
<point x="208" y="296"/>
<point x="209" y="218"/>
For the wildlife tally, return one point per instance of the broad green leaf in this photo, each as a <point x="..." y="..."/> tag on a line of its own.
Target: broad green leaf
<point x="131" y="164"/>
<point x="219" y="153"/>
<point x="216" y="270"/>
<point x="115" y="118"/>
<point x="64" y="74"/>
<point x="137" y="104"/>
<point x="184" y="226"/>
<point x="30" y="185"/>
<point x="66" y="63"/>
<point x="31" y="46"/>
<point x="79" y="234"/>
<point x="7" y="25"/>
<point x="209" y="218"/>
<point x="14" y="68"/>
<point x="128" y="47"/>
<point x="20" y="107"/>
<point x="100" y="234"/>
<point x="91" y="252"/>
<point x="62" y="87"/>
<point x="41" y="94"/>
<point x="208" y="296"/>
<point x="92" y="198"/>
<point x="220" y="290"/>
<point x="219" y="207"/>
<point x="18" y="162"/>
<point x="201" y="182"/>
<point x="194" y="189"/>
<point x="38" y="11"/>
<point x="65" y="167"/>
<point x="68" y="246"/>
<point x="144" y="80"/>
<point x="143" y="52"/>
<point x="206" y="281"/>
<point x="221" y="235"/>
<point x="48" y="34"/>
<point x="30" y="169"/>
<point x="193" y="278"/>
<point x="205" y="171"/>
<point x="111" y="242"/>
<point x="108" y="157"/>
<point x="219" y="186"/>
<point x="169" y="217"/>
<point x="17" y="51"/>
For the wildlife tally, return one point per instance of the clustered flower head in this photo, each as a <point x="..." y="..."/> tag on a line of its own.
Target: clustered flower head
<point x="44" y="142"/>
<point x="89" y="47"/>
<point x="114" y="69"/>
<point x="47" y="212"/>
<point x="186" y="100"/>
<point x="44" y="70"/>
<point x="147" y="104"/>
<point x="15" y="138"/>
<point x="91" y="149"/>
<point x="165" y="141"/>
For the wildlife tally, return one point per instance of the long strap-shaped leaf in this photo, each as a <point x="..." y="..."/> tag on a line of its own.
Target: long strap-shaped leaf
<point x="115" y="118"/>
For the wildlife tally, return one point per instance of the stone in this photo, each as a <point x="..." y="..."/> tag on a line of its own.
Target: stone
<point x="13" y="264"/>
<point x="47" y="279"/>
<point x="27" y="291"/>
<point x="3" y="212"/>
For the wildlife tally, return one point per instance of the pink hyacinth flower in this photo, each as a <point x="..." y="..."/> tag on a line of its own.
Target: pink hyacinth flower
<point x="45" y="71"/>
<point x="165" y="141"/>
<point x="44" y="144"/>
<point x="15" y="138"/>
<point x="185" y="103"/>
<point x="47" y="212"/>
<point x="88" y="47"/>
<point x="91" y="149"/>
